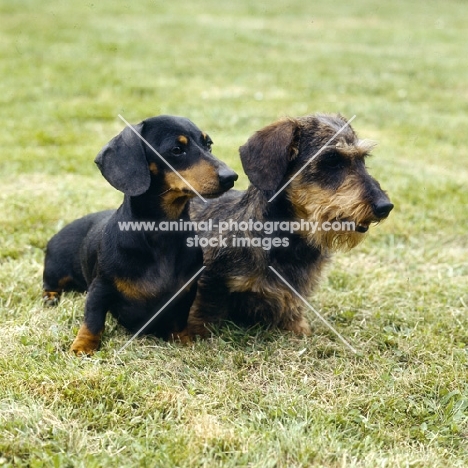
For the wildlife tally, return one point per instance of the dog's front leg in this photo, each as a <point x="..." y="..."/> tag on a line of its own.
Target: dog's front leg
<point x="297" y="325"/>
<point x="89" y="335"/>
<point x="196" y="326"/>
<point x="205" y="310"/>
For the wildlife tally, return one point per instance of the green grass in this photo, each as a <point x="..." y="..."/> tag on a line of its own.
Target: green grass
<point x="256" y="398"/>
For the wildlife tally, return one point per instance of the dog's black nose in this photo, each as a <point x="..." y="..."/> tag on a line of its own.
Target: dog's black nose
<point x="382" y="209"/>
<point x="227" y="178"/>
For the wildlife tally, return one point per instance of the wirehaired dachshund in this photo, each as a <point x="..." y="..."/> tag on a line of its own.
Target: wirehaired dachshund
<point x="308" y="169"/>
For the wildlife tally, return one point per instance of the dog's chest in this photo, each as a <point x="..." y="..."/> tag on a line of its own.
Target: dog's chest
<point x="156" y="276"/>
<point x="266" y="295"/>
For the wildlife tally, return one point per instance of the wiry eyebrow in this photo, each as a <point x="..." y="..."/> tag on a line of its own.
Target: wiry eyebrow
<point x="360" y="148"/>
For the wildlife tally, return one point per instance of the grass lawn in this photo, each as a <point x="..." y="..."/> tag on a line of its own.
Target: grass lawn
<point x="244" y="398"/>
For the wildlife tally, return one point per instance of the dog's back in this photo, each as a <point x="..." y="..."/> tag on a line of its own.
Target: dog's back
<point x="63" y="261"/>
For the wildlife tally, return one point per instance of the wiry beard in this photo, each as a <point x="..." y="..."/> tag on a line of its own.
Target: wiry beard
<point x="318" y="205"/>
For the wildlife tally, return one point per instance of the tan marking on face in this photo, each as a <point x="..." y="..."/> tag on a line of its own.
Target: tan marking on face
<point x="174" y="182"/>
<point x="202" y="176"/>
<point x="153" y="168"/>
<point x="313" y="203"/>
<point x="182" y="140"/>
<point x="356" y="150"/>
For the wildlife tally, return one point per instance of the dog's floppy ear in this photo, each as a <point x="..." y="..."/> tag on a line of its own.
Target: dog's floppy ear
<point x="123" y="162"/>
<point x="266" y="155"/>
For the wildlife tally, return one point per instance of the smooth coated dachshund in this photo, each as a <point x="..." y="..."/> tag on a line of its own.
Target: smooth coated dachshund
<point x="125" y="264"/>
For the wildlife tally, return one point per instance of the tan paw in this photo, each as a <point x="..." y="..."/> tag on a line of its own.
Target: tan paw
<point x="300" y="327"/>
<point x="50" y="298"/>
<point x="85" y="342"/>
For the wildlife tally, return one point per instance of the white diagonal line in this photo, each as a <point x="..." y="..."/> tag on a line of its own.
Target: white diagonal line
<point x="313" y="310"/>
<point x="312" y="158"/>
<point x="161" y="309"/>
<point x="157" y="154"/>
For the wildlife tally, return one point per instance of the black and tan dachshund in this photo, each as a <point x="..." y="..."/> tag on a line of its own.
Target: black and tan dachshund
<point x="132" y="273"/>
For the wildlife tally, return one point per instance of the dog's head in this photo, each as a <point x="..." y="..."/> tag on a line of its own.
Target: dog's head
<point x="322" y="160"/>
<point x="165" y="154"/>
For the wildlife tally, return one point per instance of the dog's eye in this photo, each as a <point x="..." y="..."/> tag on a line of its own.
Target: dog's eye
<point x="209" y="145"/>
<point x="178" y="151"/>
<point x="334" y="161"/>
